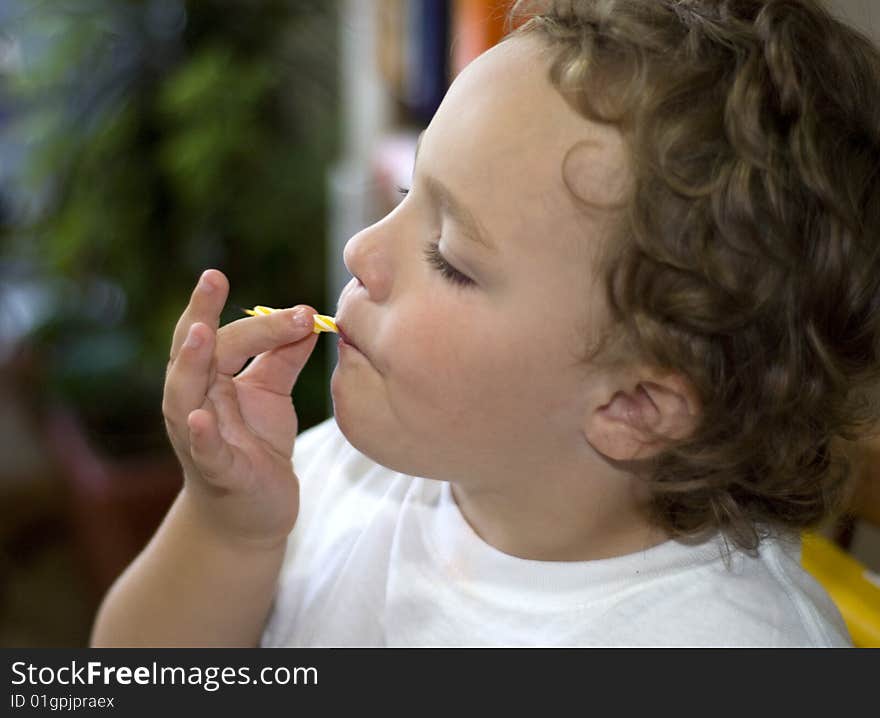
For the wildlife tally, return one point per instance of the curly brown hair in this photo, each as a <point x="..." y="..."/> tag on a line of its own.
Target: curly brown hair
<point x="748" y="255"/>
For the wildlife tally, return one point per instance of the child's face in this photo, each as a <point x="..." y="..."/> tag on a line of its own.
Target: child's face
<point x="469" y="382"/>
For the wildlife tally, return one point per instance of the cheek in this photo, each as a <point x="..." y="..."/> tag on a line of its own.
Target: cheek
<point x="454" y="366"/>
<point x="433" y="348"/>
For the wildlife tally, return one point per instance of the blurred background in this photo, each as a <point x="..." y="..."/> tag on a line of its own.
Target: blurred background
<point x="140" y="143"/>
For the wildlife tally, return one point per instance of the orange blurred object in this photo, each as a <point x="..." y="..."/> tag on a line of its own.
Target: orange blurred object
<point x="477" y="25"/>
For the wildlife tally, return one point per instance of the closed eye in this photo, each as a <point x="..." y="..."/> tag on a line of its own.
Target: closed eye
<point x="438" y="261"/>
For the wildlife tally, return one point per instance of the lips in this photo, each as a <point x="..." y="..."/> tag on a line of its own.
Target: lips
<point x="347" y="339"/>
<point x="342" y="314"/>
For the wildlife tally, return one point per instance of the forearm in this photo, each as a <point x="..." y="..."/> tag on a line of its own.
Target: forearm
<point x="188" y="587"/>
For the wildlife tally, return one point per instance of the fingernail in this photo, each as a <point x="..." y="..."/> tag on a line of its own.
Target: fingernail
<point x="193" y="340"/>
<point x="205" y="284"/>
<point x="302" y="317"/>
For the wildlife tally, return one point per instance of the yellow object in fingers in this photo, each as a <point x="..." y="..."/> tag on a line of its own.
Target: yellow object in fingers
<point x="259" y="309"/>
<point x="323" y="323"/>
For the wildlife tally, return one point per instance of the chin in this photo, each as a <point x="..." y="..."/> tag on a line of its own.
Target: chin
<point x="370" y="439"/>
<point x="366" y="444"/>
<point x="352" y="422"/>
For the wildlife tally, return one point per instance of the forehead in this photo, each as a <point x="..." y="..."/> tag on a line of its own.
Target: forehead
<point x="507" y="143"/>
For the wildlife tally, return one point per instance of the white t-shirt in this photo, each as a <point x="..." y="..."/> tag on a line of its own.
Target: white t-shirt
<point x="378" y="558"/>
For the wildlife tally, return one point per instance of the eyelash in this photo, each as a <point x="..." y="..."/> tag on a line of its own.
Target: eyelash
<point x="438" y="261"/>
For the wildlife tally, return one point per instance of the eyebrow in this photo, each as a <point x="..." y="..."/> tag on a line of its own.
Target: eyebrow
<point x="453" y="207"/>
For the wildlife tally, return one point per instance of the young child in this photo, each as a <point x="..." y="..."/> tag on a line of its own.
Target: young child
<point x="594" y="371"/>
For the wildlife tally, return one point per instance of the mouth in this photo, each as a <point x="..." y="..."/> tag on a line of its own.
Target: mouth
<point x="345" y="339"/>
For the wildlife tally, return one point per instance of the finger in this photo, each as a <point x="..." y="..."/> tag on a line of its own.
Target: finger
<point x="272" y="419"/>
<point x="188" y="378"/>
<point x="205" y="304"/>
<point x="278" y="369"/>
<point x="213" y="456"/>
<point x="267" y="425"/>
<point x="240" y="340"/>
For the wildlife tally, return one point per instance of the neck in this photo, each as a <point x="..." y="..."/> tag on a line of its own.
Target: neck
<point x="561" y="518"/>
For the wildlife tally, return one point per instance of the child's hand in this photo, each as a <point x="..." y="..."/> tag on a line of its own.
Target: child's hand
<point x="234" y="433"/>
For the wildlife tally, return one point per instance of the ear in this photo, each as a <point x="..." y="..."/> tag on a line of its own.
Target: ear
<point x="640" y="414"/>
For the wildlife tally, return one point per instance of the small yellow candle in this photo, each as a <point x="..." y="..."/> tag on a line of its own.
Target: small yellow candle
<point x="322" y="322"/>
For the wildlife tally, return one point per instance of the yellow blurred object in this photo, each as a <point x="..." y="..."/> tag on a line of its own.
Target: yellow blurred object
<point x="850" y="585"/>
<point x="259" y="309"/>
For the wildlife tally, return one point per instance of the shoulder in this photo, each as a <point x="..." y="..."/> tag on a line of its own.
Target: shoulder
<point x="763" y="600"/>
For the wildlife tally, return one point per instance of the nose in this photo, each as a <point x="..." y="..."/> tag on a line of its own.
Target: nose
<point x="367" y="258"/>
